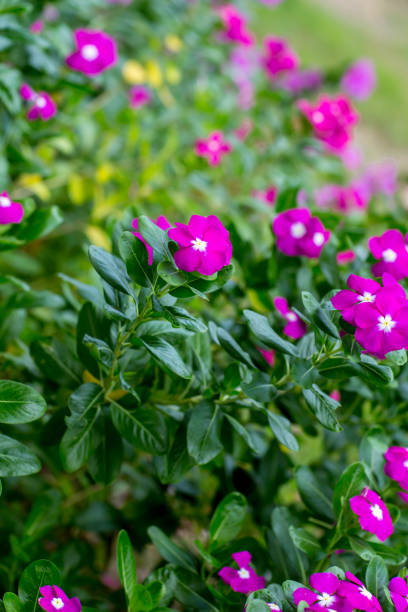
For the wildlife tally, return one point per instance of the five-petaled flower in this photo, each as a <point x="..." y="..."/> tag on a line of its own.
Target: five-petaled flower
<point x="391" y="249"/>
<point x="235" y="25"/>
<point x="298" y="233"/>
<point x="396" y="465"/>
<point x="213" y="148"/>
<point x="357" y="595"/>
<point x="160" y="222"/>
<point x="204" y="245"/>
<point x="325" y="594"/>
<point x="54" y="599"/>
<point x="10" y="212"/>
<point x="331" y="119"/>
<point x="399" y="593"/>
<point x="245" y="579"/>
<point x="278" y="57"/>
<point x="362" y="291"/>
<point x="96" y="51"/>
<point x="42" y="105"/>
<point x="295" y="328"/>
<point x="372" y="514"/>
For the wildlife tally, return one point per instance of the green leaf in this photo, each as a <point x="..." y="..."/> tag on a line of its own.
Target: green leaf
<point x="305" y="541"/>
<point x="187" y="591"/>
<point x="228" y="519"/>
<point x="232" y="347"/>
<point x="169" y="550"/>
<point x="323" y="406"/>
<point x="127" y="565"/>
<point x="351" y="483"/>
<point x="374" y="371"/>
<point x="281" y="428"/>
<point x="313" y="494"/>
<point x="82" y="435"/>
<point x="257" y="605"/>
<point x="44" y="515"/>
<point x="155" y="237"/>
<point x="166" y="355"/>
<point x="260" y="388"/>
<point x="36" y="575"/>
<point x="136" y="258"/>
<point x="56" y="363"/>
<point x="294" y="560"/>
<point x="105" y="462"/>
<point x="144" y="428"/>
<point x="376" y="577"/>
<point x="16" y="459"/>
<point x="171" y="274"/>
<point x="110" y="268"/>
<point x="12" y="603"/>
<point x="203" y="431"/>
<point x="42" y="222"/>
<point x="245" y="433"/>
<point x="263" y="331"/>
<point x="19" y="403"/>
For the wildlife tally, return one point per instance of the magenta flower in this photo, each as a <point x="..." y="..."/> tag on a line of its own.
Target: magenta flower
<point x="298" y="81"/>
<point x="372" y="514"/>
<point x="139" y="96"/>
<point x="298" y="233"/>
<point x="160" y="222"/>
<point x="53" y="598"/>
<point x="331" y="119"/>
<point x="235" y="25"/>
<point x="42" y="105"/>
<point x="343" y="199"/>
<point x="10" y="212"/>
<point x="399" y="593"/>
<point x="359" y="80"/>
<point x="37" y="26"/>
<point x="204" y="245"/>
<point x="362" y="290"/>
<point x="268" y="196"/>
<point x="213" y="148"/>
<point x="295" y="328"/>
<point x="335" y="394"/>
<point x="357" y="594"/>
<point x="391" y="249"/>
<point x="325" y="594"/>
<point x="96" y="51"/>
<point x="268" y="355"/>
<point x="345" y="257"/>
<point x="382" y="178"/>
<point x="396" y="466"/>
<point x="245" y="579"/>
<point x="278" y="57"/>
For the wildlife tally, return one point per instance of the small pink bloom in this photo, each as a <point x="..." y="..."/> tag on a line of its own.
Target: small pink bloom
<point x="43" y="107"/>
<point x="96" y="51"/>
<point x="359" y="80"/>
<point x="268" y="196"/>
<point x="335" y="394"/>
<point x="10" y="212"/>
<point x="295" y="327"/>
<point x="396" y="466"/>
<point x="213" y="148"/>
<point x="373" y="516"/>
<point x="351" y="157"/>
<point x="50" y="13"/>
<point x="37" y="26"/>
<point x="53" y="599"/>
<point x="245" y="579"/>
<point x="278" y="57"/>
<point x="268" y="355"/>
<point x="139" y="96"/>
<point x="244" y="129"/>
<point x="382" y="178"/>
<point x="160" y="222"/>
<point x="325" y="594"/>
<point x="356" y="594"/>
<point x="298" y="233"/>
<point x="399" y="593"/>
<point x="331" y="119"/>
<point x="235" y="25"/>
<point x="343" y="199"/>
<point x="345" y="257"/>
<point x="26" y="93"/>
<point x="204" y="245"/>
<point x="391" y="249"/>
<point x="362" y="291"/>
<point x="298" y="81"/>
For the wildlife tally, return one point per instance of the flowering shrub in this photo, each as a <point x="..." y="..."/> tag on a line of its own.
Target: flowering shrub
<point x="204" y="319"/>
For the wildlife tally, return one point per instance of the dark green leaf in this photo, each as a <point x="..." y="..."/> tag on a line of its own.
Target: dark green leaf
<point x="19" y="403"/>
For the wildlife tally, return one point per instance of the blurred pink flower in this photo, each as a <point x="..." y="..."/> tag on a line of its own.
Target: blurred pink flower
<point x="298" y="81"/>
<point x="345" y="257"/>
<point x="343" y="198"/>
<point x="295" y="327"/>
<point x="96" y="51"/>
<point x="359" y="80"/>
<point x="213" y="148"/>
<point x="37" y="26"/>
<point x="235" y="24"/>
<point x="298" y="233"/>
<point x="396" y="465"/>
<point x="268" y="355"/>
<point x="268" y="196"/>
<point x="10" y="212"/>
<point x="139" y="96"/>
<point x="335" y="394"/>
<point x="391" y="249"/>
<point x="244" y="129"/>
<point x="278" y="57"/>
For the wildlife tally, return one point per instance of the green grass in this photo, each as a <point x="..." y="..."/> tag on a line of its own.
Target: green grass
<point x="323" y="39"/>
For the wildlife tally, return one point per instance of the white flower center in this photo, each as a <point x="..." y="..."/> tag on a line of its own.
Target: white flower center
<point x="318" y="238"/>
<point x="41" y="102"/>
<point x="318" y="117"/>
<point x="213" y="145"/>
<point x="298" y="230"/>
<point x="291" y="316"/>
<point x="406" y="464"/>
<point x="273" y="606"/>
<point x="366" y="297"/>
<point x="243" y="573"/>
<point x="5" y="202"/>
<point x="386" y="323"/>
<point x="377" y="512"/>
<point x="199" y="245"/>
<point x="365" y="593"/>
<point x="57" y="603"/>
<point x="389" y="255"/>
<point x="326" y="600"/>
<point x="89" y="52"/>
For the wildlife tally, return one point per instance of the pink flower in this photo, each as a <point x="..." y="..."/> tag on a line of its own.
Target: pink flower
<point x="331" y="119"/>
<point x="362" y="291"/>
<point x="391" y="249"/>
<point x="10" y="212"/>
<point x="295" y="328"/>
<point x="139" y="96"/>
<point x="42" y="105"/>
<point x="268" y="355"/>
<point x="382" y="178"/>
<point x="213" y="148"/>
<point x="344" y="199"/>
<point x="351" y="157"/>
<point x="160" y="222"/>
<point x="335" y="394"/>
<point x="345" y="257"/>
<point x="204" y="245"/>
<point x="235" y="25"/>
<point x="373" y="516"/>
<point x="396" y="466"/>
<point x="244" y="129"/>
<point x="96" y="51"/>
<point x="356" y="593"/>
<point x="268" y="196"/>
<point x="278" y="57"/>
<point x="325" y="594"/>
<point x="26" y="93"/>
<point x="298" y="81"/>
<point x="245" y="579"/>
<point x="359" y="80"/>
<point x="399" y="593"/>
<point x="298" y="233"/>
<point x="37" y="26"/>
<point x="53" y="598"/>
